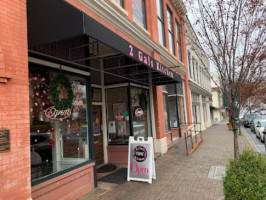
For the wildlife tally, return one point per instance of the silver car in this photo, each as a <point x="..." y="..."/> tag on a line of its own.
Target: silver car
<point x="260" y="128"/>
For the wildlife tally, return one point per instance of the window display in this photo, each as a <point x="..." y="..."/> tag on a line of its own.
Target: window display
<point x="58" y="121"/>
<point x="117" y="115"/>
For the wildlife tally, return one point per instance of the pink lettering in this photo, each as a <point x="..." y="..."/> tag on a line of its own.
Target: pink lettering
<point x="138" y="169"/>
<point x="158" y="66"/>
<point x="53" y="113"/>
<point x="145" y="60"/>
<point x="131" y="50"/>
<point x="140" y="56"/>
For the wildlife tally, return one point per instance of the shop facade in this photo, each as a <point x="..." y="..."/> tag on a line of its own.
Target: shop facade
<point x="88" y="84"/>
<point x="199" y="80"/>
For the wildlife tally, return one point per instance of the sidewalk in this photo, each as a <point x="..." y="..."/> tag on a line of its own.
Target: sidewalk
<point x="180" y="176"/>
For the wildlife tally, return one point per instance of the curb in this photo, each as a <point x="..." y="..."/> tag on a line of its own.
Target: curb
<point x="250" y="141"/>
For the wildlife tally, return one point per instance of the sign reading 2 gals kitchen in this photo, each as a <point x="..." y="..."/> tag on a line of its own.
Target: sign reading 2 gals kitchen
<point x="149" y="61"/>
<point x="141" y="165"/>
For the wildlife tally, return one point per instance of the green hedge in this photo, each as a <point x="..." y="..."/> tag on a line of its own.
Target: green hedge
<point x="246" y="177"/>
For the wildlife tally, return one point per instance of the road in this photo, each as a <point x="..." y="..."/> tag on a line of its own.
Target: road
<point x="258" y="143"/>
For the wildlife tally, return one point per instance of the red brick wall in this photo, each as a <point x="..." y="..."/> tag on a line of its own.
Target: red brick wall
<point x="14" y="101"/>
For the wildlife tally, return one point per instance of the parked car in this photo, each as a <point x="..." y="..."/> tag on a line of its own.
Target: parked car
<point x="263" y="112"/>
<point x="264" y="136"/>
<point x="260" y="128"/>
<point x="253" y="124"/>
<point x="248" y="119"/>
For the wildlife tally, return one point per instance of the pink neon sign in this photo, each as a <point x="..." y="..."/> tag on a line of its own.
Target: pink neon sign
<point x="53" y="113"/>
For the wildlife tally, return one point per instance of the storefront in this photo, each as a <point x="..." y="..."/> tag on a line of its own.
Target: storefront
<point x="200" y="107"/>
<point x="90" y="90"/>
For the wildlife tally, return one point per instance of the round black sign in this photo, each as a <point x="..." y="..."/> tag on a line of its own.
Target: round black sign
<point x="139" y="153"/>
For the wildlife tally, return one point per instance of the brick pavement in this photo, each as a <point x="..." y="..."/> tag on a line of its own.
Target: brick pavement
<point x="180" y="176"/>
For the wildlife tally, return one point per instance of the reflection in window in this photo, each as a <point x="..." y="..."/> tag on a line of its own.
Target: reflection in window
<point x="140" y="110"/>
<point x="166" y="118"/>
<point x="58" y="133"/>
<point x="181" y="110"/>
<point x="117" y="115"/>
<point x="96" y="95"/>
<point x="172" y="111"/>
<point x="189" y="64"/>
<point x="160" y="22"/>
<point x="170" y="31"/>
<point x="139" y="12"/>
<point x="178" y="38"/>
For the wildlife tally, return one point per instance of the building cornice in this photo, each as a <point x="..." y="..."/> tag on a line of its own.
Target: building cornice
<point x="180" y="6"/>
<point x="109" y="13"/>
<point x="198" y="87"/>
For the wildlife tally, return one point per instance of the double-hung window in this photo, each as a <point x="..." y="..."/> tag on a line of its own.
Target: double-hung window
<point x="139" y="12"/>
<point x="160" y="19"/>
<point x="170" y="31"/>
<point x="189" y="64"/>
<point x="178" y="38"/>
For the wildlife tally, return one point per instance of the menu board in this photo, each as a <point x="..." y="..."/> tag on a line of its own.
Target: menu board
<point x="4" y="140"/>
<point x="141" y="165"/>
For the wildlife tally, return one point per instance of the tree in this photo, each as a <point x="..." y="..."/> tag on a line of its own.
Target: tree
<point x="232" y="33"/>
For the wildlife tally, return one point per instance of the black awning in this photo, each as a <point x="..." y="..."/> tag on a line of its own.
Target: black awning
<point x="55" y="20"/>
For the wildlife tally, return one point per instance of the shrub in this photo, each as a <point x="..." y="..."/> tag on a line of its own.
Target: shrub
<point x="246" y="177"/>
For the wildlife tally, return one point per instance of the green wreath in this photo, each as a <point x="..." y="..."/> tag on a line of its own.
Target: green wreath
<point x="54" y="93"/>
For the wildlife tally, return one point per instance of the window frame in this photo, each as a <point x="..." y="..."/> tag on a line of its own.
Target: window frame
<point x="170" y="30"/>
<point x="178" y="40"/>
<point x="160" y="19"/>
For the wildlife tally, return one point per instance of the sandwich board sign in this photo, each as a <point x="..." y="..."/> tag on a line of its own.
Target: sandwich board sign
<point x="141" y="165"/>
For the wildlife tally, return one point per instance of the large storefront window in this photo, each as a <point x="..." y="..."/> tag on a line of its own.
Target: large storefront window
<point x="58" y="121"/>
<point x="165" y="106"/>
<point x="172" y="111"/>
<point x="140" y="110"/>
<point x="117" y="115"/>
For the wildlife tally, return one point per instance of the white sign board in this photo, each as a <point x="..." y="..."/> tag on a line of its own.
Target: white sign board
<point x="141" y="165"/>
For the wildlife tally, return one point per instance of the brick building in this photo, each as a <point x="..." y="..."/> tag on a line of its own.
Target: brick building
<point x="77" y="78"/>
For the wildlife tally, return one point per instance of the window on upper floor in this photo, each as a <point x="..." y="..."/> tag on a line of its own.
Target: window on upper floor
<point x="160" y="20"/>
<point x="170" y="31"/>
<point x="178" y="38"/>
<point x="194" y="68"/>
<point x="197" y="71"/>
<point x="120" y="2"/>
<point x="139" y="12"/>
<point x="189" y="64"/>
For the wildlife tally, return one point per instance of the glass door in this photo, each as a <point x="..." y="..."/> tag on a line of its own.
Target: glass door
<point x="140" y="112"/>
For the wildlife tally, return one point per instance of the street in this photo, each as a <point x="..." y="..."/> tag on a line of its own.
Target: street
<point x="260" y="146"/>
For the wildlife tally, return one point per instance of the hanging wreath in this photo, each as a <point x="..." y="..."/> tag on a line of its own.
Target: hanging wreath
<point x="143" y="101"/>
<point x="61" y="81"/>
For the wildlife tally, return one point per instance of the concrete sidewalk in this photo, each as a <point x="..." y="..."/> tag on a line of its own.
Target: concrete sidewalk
<point x="181" y="176"/>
